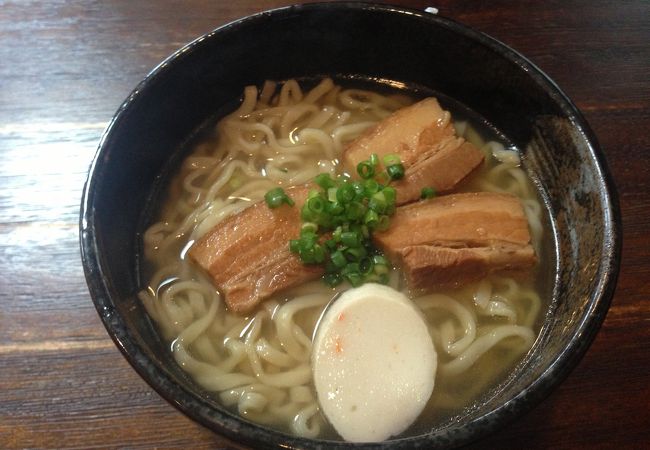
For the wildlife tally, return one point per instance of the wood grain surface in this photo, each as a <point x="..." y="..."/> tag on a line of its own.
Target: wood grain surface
<point x="65" y="67"/>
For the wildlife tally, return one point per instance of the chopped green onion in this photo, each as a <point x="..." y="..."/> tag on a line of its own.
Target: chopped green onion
<point x="345" y="193"/>
<point x="378" y="202"/>
<point x="309" y="227"/>
<point x="350" y="239"/>
<point x="338" y="259"/>
<point x="355" y="211"/>
<point x="371" y="219"/>
<point x="370" y="187"/>
<point x="366" y="266"/>
<point x="319" y="253"/>
<point x="334" y="208"/>
<point x="427" y="192"/>
<point x="307" y="238"/>
<point x="379" y="260"/>
<point x="276" y="197"/>
<point x="390" y="194"/>
<point x="365" y="170"/>
<point x="395" y="171"/>
<point x="352" y="267"/>
<point x="333" y="279"/>
<point x="354" y="278"/>
<point x="350" y="211"/>
<point x="359" y="190"/>
<point x="331" y="194"/>
<point x="336" y="235"/>
<point x="314" y="254"/>
<point x="355" y="253"/>
<point x="316" y="205"/>
<point x="324" y="180"/>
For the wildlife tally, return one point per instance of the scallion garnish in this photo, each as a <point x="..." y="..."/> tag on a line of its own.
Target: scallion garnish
<point x="276" y="197"/>
<point x="395" y="171"/>
<point x="366" y="170"/>
<point x="427" y="192"/>
<point x="324" y="180"/>
<point x="338" y="219"/>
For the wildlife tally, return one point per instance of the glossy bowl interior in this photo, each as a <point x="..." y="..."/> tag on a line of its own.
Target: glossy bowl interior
<point x="381" y="44"/>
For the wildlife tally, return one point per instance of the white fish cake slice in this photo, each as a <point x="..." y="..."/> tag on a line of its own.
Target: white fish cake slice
<point x="374" y="363"/>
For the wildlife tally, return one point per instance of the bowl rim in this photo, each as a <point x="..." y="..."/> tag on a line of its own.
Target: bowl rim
<point x="233" y="426"/>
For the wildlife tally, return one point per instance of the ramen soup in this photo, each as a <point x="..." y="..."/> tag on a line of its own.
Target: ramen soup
<point x="451" y="303"/>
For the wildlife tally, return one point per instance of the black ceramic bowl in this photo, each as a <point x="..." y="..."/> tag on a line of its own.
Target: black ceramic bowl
<point x="375" y="43"/>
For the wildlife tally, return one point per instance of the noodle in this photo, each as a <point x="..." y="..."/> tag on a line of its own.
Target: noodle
<point x="260" y="365"/>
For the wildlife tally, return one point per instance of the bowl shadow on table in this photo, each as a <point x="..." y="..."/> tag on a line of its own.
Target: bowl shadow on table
<point x="386" y="46"/>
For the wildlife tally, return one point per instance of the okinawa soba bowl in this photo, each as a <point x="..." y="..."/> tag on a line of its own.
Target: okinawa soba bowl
<point x="391" y="51"/>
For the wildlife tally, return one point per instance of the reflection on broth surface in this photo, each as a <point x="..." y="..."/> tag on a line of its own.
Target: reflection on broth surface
<point x="259" y="364"/>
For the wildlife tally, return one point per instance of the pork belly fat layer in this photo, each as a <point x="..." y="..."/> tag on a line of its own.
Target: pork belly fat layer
<point x="423" y="136"/>
<point x="247" y="254"/>
<point x="426" y="267"/>
<point x="458" y="238"/>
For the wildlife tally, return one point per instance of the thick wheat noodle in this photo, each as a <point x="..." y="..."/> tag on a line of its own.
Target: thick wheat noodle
<point x="463" y="315"/>
<point x="484" y="343"/>
<point x="156" y="233"/>
<point x="340" y="119"/>
<point x="291" y="336"/>
<point x="249" y="102"/>
<point x="483" y="293"/>
<point x="273" y="355"/>
<point x="499" y="306"/>
<point x="204" y="349"/>
<point x="296" y="113"/>
<point x="364" y="100"/>
<point x="346" y="133"/>
<point x="290" y="93"/>
<point x="319" y="91"/>
<point x="322" y="117"/>
<point x="192" y="176"/>
<point x="227" y="173"/>
<point x="305" y="423"/>
<point x="212" y="214"/>
<point x="324" y="139"/>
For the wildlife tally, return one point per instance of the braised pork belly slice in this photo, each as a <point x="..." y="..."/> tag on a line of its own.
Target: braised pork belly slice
<point x="247" y="254"/>
<point x="424" y="138"/>
<point x="458" y="238"/>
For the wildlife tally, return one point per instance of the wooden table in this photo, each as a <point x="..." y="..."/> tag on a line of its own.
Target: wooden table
<point x="65" y="67"/>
